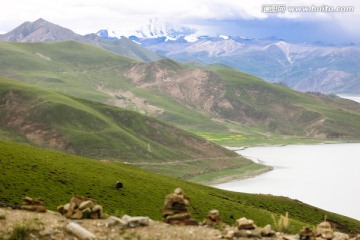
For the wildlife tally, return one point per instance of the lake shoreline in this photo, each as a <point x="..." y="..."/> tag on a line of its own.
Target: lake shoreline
<point x="313" y="173"/>
<point x="232" y="178"/>
<point x="253" y="174"/>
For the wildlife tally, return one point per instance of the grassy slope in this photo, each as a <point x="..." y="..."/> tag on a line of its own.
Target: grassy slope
<point x="79" y="70"/>
<point x="290" y="115"/>
<point x="91" y="126"/>
<point x="127" y="47"/>
<point x="55" y="176"/>
<point x="52" y="120"/>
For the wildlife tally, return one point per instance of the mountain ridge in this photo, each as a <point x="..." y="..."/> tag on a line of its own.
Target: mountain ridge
<point x="303" y="67"/>
<point x="315" y="66"/>
<point x="44" y="31"/>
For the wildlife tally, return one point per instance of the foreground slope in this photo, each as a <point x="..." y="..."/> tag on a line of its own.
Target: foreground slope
<point x="216" y="99"/>
<point x="55" y="176"/>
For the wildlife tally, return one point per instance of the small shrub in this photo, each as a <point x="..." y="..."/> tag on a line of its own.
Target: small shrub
<point x="282" y="224"/>
<point x="21" y="232"/>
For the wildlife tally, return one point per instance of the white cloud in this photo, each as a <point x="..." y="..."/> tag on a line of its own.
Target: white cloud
<point x="84" y="16"/>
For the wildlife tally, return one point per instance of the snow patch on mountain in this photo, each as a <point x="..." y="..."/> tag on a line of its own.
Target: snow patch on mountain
<point x="157" y="29"/>
<point x="285" y="47"/>
<point x="108" y="34"/>
<point x="224" y="37"/>
<point x="214" y="48"/>
<point x="191" y="38"/>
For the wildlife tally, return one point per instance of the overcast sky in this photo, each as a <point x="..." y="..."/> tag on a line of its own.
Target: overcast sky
<point x="231" y="17"/>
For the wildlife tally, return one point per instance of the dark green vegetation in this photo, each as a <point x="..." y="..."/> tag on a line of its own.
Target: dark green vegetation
<point x="21" y="232"/>
<point x="52" y="120"/>
<point x="55" y="176"/>
<point x="213" y="100"/>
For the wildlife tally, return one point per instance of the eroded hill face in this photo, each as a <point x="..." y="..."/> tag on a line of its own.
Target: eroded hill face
<point x="197" y="88"/>
<point x="16" y="115"/>
<point x="229" y="95"/>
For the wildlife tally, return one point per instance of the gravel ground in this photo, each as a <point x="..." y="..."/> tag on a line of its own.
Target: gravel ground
<point x="51" y="225"/>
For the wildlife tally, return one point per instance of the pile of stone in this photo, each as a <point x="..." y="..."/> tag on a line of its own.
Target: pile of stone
<point x="306" y="233"/>
<point x="175" y="209"/>
<point x="324" y="231"/>
<point x="81" y="207"/>
<point x="245" y="228"/>
<point x="33" y="204"/>
<point x="213" y="219"/>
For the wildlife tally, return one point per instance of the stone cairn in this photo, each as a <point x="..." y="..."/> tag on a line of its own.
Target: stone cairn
<point x="245" y="228"/>
<point x="324" y="231"/>
<point x="33" y="204"/>
<point x="306" y="233"/>
<point x="213" y="219"/>
<point x="81" y="207"/>
<point x="175" y="209"/>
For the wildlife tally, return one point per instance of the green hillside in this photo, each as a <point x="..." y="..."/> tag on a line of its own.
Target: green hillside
<point x="88" y="72"/>
<point x="55" y="176"/>
<point x="52" y="120"/>
<point x="287" y="112"/>
<point x="128" y="48"/>
<point x="215" y="102"/>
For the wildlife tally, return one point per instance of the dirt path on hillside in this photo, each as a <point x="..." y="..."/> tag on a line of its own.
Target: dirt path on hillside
<point x="181" y="161"/>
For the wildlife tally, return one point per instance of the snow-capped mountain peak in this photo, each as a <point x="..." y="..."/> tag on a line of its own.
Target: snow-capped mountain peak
<point x="157" y="29"/>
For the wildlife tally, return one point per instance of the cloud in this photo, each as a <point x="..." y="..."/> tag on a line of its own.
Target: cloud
<point x="86" y="16"/>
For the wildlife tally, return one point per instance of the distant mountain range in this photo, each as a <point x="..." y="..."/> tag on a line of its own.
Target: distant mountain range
<point x="199" y="98"/>
<point x="315" y="67"/>
<point x="304" y="67"/>
<point x="44" y="31"/>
